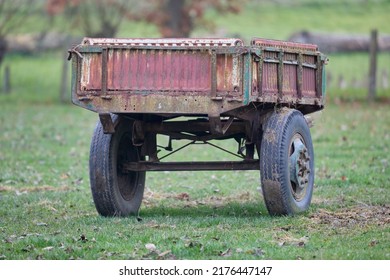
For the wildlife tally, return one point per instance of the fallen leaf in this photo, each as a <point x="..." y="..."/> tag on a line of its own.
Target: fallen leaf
<point x="28" y="248"/>
<point x="258" y="252"/>
<point x="8" y="240"/>
<point x="373" y="243"/>
<point x="302" y="241"/>
<point x="227" y="253"/>
<point x="286" y="228"/>
<point x="18" y="193"/>
<point x="150" y="247"/>
<point x="64" y="176"/>
<point x="49" y="248"/>
<point x="83" y="238"/>
<point x="183" y="196"/>
<point x="164" y="253"/>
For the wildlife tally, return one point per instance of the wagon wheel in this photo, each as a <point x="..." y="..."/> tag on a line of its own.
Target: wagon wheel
<point x="115" y="192"/>
<point x="286" y="163"/>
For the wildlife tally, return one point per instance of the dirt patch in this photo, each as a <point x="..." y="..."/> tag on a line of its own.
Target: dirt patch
<point x="151" y="199"/>
<point x="358" y="216"/>
<point x="33" y="189"/>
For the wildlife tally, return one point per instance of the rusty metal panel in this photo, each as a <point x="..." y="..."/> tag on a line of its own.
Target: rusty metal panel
<point x="270" y="68"/>
<point x="158" y="70"/>
<point x="91" y="71"/>
<point x="161" y="70"/>
<point x="153" y="70"/>
<point x="290" y="69"/>
<point x="286" y="46"/>
<point x="228" y="73"/>
<point x="165" y="42"/>
<point x="309" y="76"/>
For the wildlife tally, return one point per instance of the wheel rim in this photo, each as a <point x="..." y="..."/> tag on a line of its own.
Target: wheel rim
<point x="127" y="181"/>
<point x="299" y="166"/>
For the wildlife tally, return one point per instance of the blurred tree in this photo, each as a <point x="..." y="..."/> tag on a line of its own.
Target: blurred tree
<point x="173" y="18"/>
<point x="177" y="18"/>
<point x="12" y="15"/>
<point x="96" y="18"/>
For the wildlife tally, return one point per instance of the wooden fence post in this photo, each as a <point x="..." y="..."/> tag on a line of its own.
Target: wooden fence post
<point x="373" y="65"/>
<point x="7" y="80"/>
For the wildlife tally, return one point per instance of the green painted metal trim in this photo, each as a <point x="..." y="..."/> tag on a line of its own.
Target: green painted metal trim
<point x="323" y="82"/>
<point x="89" y="49"/>
<point x="247" y="77"/>
<point x="74" y="79"/>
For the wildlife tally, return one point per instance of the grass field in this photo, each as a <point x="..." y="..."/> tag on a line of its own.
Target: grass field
<point x="47" y="212"/>
<point x="278" y="21"/>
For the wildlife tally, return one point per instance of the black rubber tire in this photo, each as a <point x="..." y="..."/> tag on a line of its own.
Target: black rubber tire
<point x="281" y="195"/>
<point x="114" y="192"/>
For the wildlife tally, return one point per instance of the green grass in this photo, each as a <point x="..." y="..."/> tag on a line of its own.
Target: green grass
<point x="353" y="69"/>
<point x="268" y="19"/>
<point x="47" y="210"/>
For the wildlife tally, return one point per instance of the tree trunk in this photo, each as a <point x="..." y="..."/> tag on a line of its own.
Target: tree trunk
<point x="3" y="48"/>
<point x="7" y="80"/>
<point x="177" y="23"/>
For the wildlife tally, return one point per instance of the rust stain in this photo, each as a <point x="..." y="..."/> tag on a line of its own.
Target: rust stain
<point x="202" y="42"/>
<point x="91" y="69"/>
<point x="291" y="46"/>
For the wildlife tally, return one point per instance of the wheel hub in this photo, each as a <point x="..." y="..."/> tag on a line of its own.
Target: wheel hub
<point x="299" y="167"/>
